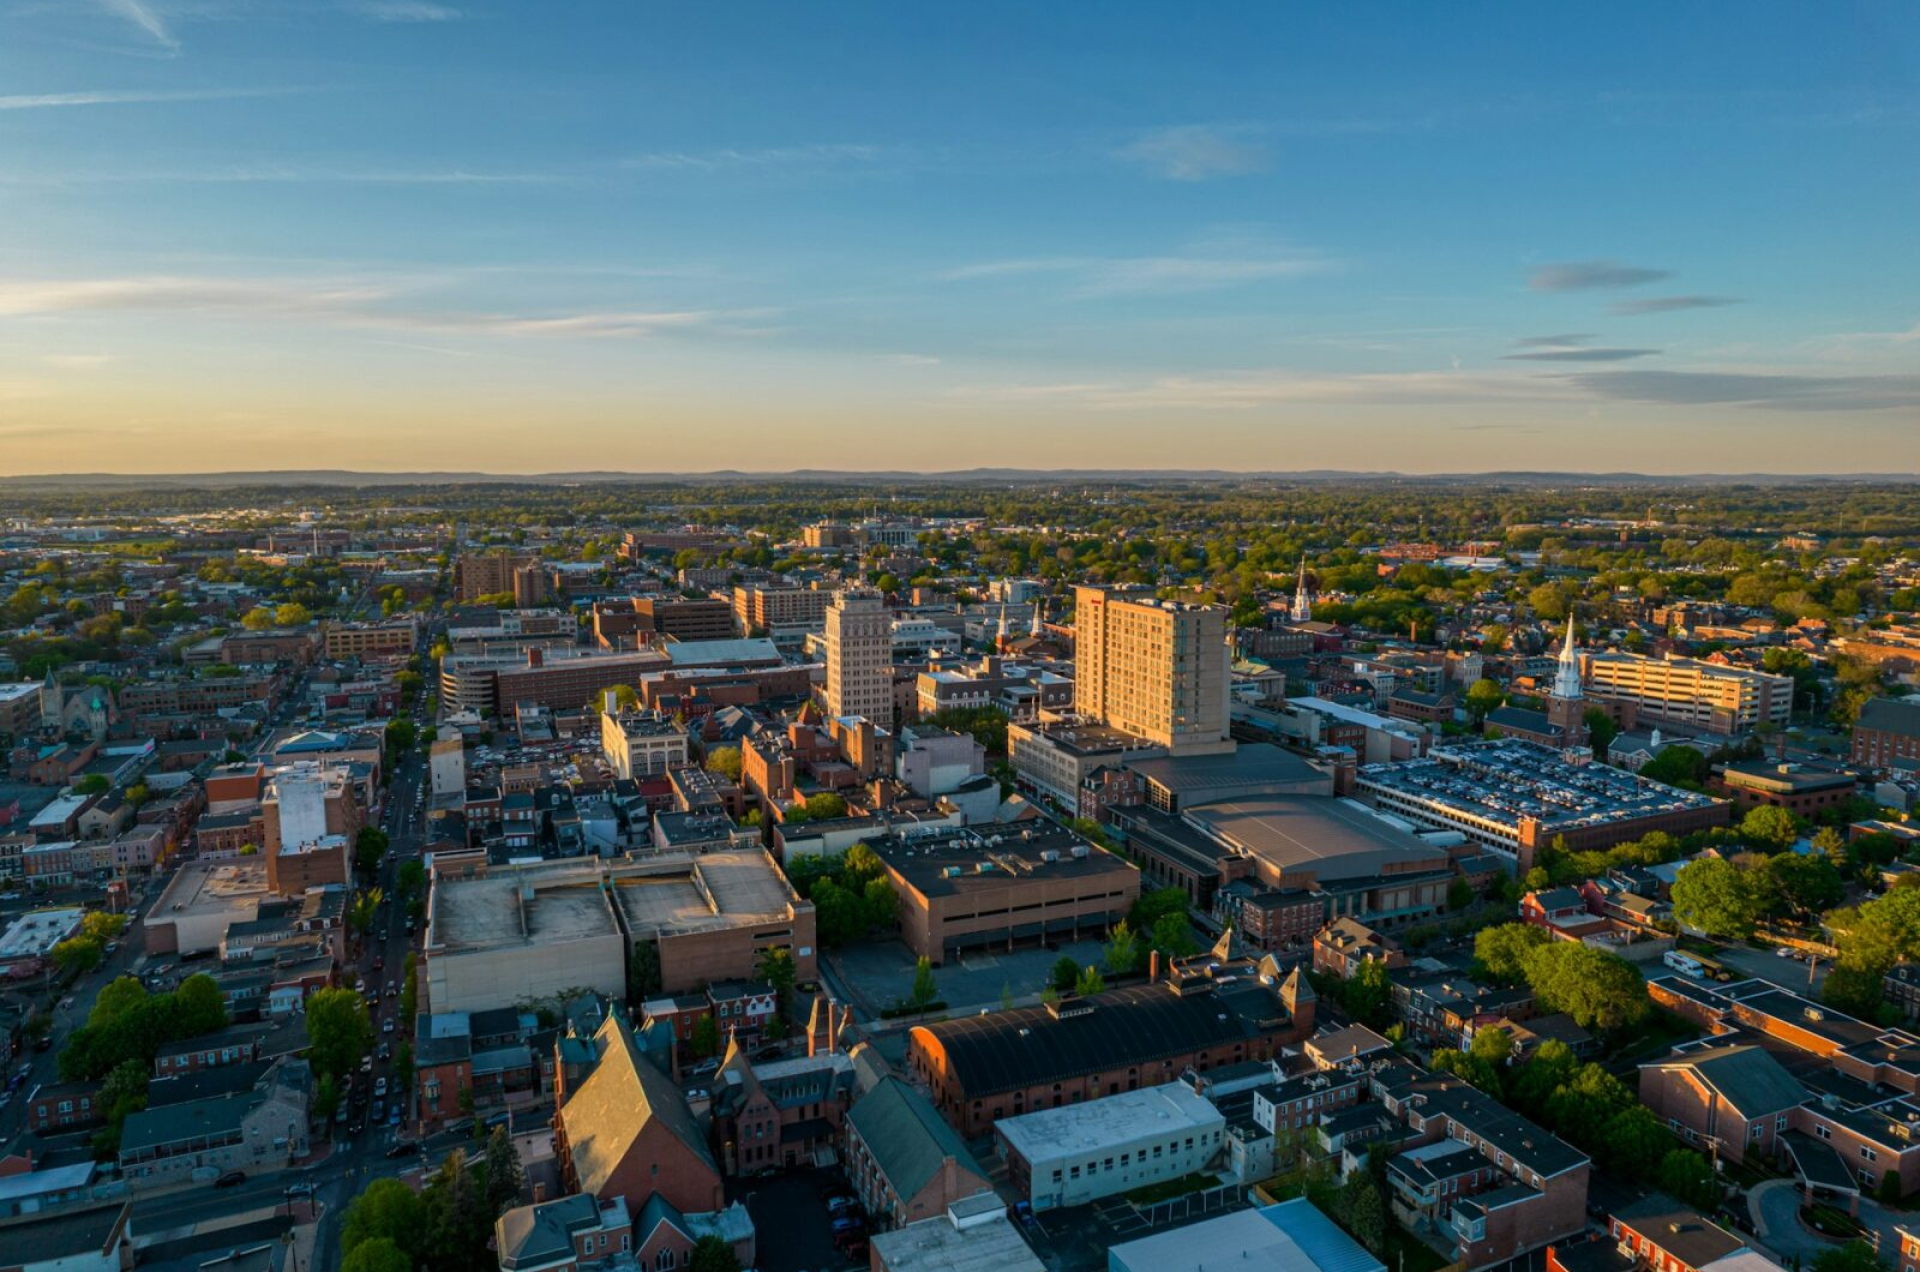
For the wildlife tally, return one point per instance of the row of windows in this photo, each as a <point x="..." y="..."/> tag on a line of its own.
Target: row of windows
<point x="1126" y="1159"/>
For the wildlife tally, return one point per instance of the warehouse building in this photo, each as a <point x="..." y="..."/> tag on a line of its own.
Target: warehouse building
<point x="1079" y="1153"/>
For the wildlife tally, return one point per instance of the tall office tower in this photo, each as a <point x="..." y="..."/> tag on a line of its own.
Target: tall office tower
<point x="1155" y="669"/>
<point x="860" y="657"/>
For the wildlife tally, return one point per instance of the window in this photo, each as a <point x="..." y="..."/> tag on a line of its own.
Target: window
<point x="1868" y="1153"/>
<point x="1780" y="1123"/>
<point x="1823" y="1131"/>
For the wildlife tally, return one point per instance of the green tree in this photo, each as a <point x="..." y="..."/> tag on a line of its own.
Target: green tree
<point x="839" y="916"/>
<point x="258" y="619"/>
<point x="1459" y="894"/>
<point x="1500" y="952"/>
<point x="713" y="1254"/>
<point x="292" y="614"/>
<point x="775" y="967"/>
<point x="1717" y="897"/>
<point x="1064" y="975"/>
<point x="338" y="1031"/>
<point x="369" y="846"/>
<point x="1807" y="884"/>
<point x="1854" y="1256"/>
<point x="706" y="1038"/>
<point x="1089" y="982"/>
<point x="78" y="955"/>
<point x="1155" y="904"/>
<point x="1363" y="1211"/>
<point x="401" y="735"/>
<point x="724" y="760"/>
<point x="1769" y="826"/>
<point x="386" y="1210"/>
<point x="1601" y="730"/>
<point x="1689" y="1176"/>
<point x="879" y="904"/>
<point x="503" y="1176"/>
<point x="1367" y="993"/>
<point x="1680" y="766"/>
<point x="1173" y="936"/>
<point x="365" y="908"/>
<point x="92" y="784"/>
<point x="1599" y="990"/>
<point x="1123" y="949"/>
<point x="119" y="996"/>
<point x="924" y="989"/>
<point x="825" y="806"/>
<point x="379" y="1254"/>
<point x="1483" y="696"/>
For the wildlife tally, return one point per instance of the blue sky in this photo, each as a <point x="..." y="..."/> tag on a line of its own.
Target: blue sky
<point x="394" y="234"/>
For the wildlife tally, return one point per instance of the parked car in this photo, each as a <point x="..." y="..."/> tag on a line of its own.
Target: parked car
<point x="379" y="1086"/>
<point x="231" y="1178"/>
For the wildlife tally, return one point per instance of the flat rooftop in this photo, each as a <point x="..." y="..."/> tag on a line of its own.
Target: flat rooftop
<point x="968" y="860"/>
<point x="33" y="934"/>
<point x="1332" y="838"/>
<point x="974" y="1244"/>
<point x="1506" y="779"/>
<point x="748" y="651"/>
<point x="1080" y="738"/>
<point x="1073" y="1130"/>
<point x="212" y="887"/>
<point x="517" y="907"/>
<point x="1249" y="764"/>
<point x="676" y="893"/>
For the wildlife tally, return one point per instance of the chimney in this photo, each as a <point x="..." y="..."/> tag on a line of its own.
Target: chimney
<point x="534" y="657"/>
<point x="1153" y="966"/>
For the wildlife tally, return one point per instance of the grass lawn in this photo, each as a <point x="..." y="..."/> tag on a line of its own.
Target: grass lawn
<point x="1168" y="1189"/>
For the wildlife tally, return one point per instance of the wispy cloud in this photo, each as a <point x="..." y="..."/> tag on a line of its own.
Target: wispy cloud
<point x="127" y="97"/>
<point x="1814" y="393"/>
<point x="348" y="303"/>
<point x="1581" y="355"/>
<point x="142" y="15"/>
<point x="1253" y="390"/>
<point x="1588" y="275"/>
<point x="1195" y="271"/>
<point x="278" y="175"/>
<point x="1668" y="304"/>
<point x="1197" y="152"/>
<point x="405" y="11"/>
<point x="762" y="157"/>
<point x="1571" y="347"/>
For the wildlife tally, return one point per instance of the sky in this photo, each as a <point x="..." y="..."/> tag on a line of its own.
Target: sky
<point x="526" y="236"/>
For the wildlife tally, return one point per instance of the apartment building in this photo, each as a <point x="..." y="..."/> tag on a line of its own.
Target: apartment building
<point x="395" y="639"/>
<point x="478" y="574"/>
<point x="770" y="608"/>
<point x="860" y="657"/>
<point x="1688" y="693"/>
<point x="1155" y="669"/>
<point x="310" y="815"/>
<point x="642" y="744"/>
<point x="1887" y="735"/>
<point x="1535" y="1193"/>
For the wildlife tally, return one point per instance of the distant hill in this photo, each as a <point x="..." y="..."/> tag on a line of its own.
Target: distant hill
<point x="346" y="477"/>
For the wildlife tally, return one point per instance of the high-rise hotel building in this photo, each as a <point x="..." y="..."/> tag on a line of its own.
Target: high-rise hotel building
<point x="1151" y="668"/>
<point x="860" y="657"/>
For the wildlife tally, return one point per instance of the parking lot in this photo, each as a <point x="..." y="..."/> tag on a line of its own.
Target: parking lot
<point x="792" y="1223"/>
<point x="879" y="975"/>
<point x="1765" y="964"/>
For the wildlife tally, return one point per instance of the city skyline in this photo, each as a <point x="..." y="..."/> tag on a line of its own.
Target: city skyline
<point x="394" y="235"/>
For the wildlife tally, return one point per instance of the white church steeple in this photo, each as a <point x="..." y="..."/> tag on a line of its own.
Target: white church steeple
<point x="1302" y="611"/>
<point x="1566" y="679"/>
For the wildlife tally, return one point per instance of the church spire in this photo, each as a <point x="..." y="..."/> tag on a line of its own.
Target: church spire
<point x="1039" y="607"/>
<point x="1302" y="600"/>
<point x="1566" y="679"/>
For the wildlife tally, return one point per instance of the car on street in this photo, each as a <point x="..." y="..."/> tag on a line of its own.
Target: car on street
<point x="231" y="1178"/>
<point x="379" y="1086"/>
<point x="402" y="1148"/>
<point x="386" y="1026"/>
